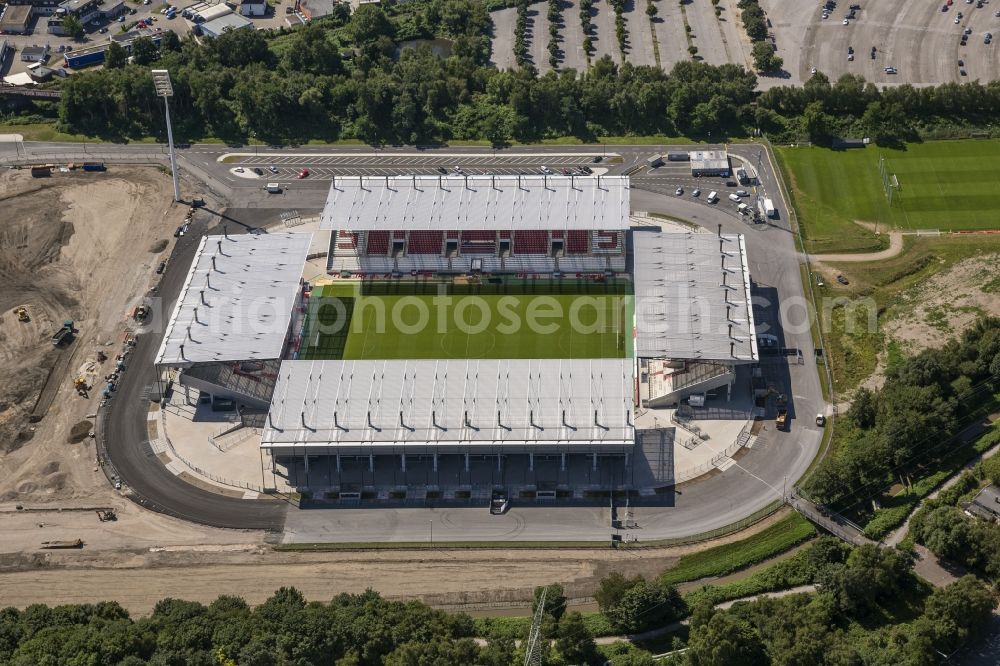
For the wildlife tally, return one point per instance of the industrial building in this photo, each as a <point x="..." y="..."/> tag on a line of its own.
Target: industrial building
<point x="356" y="411"/>
<point x="39" y="7"/>
<point x="87" y="11"/>
<point x="253" y="8"/>
<point x="223" y="24"/>
<point x="710" y="163"/>
<point x="16" y="20"/>
<point x="94" y="55"/>
<point x="34" y="53"/>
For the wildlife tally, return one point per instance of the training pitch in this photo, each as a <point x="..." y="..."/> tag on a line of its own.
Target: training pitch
<point x="944" y="185"/>
<point x="346" y="321"/>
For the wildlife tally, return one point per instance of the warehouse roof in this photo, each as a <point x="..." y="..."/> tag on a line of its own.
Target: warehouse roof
<point x="692" y="293"/>
<point x="477" y="202"/>
<point x="230" y="21"/>
<point x="443" y="403"/>
<point x="237" y="300"/>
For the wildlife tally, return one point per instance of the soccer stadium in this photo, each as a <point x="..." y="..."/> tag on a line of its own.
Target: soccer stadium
<point x="469" y="334"/>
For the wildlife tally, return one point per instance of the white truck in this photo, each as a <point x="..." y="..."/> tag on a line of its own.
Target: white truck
<point x="769" y="209"/>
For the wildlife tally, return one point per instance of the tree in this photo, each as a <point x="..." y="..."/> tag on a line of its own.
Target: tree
<point x="946" y="532"/>
<point x="555" y="600"/>
<point x="991" y="469"/>
<point x="368" y="23"/>
<point x="574" y="642"/>
<point x="612" y="588"/>
<point x="764" y="59"/>
<point x="73" y="26"/>
<point x="651" y="9"/>
<point x="144" y="51"/>
<point x="958" y="611"/>
<point x="646" y="605"/>
<point x="725" y="640"/>
<point x="115" y="58"/>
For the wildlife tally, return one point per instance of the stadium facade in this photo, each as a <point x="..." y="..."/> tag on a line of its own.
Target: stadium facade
<point x="471" y="333"/>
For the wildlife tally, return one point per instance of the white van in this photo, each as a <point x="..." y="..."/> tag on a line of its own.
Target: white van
<point x="734" y="197"/>
<point x="713" y="197"/>
<point x="743" y="209"/>
<point x="273" y="188"/>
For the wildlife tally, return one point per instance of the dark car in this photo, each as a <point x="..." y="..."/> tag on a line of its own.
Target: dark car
<point x="162" y="267"/>
<point x="597" y="159"/>
<point x="258" y="171"/>
<point x="442" y="170"/>
<point x="842" y="280"/>
<point x="587" y="170"/>
<point x="730" y="183"/>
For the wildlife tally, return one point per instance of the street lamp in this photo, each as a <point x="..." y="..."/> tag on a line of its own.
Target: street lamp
<point x="164" y="89"/>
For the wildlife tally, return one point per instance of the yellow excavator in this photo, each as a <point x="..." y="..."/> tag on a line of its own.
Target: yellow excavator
<point x="21" y="313"/>
<point x="80" y="384"/>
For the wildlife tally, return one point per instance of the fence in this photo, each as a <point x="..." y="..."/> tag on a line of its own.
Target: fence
<point x="705" y="468"/>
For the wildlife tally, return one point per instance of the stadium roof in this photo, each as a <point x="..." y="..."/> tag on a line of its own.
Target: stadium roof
<point x="360" y="407"/>
<point x="692" y="293"/>
<point x="477" y="202"/>
<point x="237" y="300"/>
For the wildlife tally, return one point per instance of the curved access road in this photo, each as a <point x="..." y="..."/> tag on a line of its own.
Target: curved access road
<point x="894" y="249"/>
<point x="126" y="438"/>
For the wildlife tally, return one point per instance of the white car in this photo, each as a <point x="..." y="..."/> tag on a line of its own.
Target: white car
<point x="679" y="191"/>
<point x="742" y="193"/>
<point x="696" y="193"/>
<point x="272" y="169"/>
<point x="547" y="171"/>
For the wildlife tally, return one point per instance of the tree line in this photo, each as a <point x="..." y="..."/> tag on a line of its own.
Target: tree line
<point x="360" y="76"/>
<point x="869" y="608"/>
<point x="909" y="423"/>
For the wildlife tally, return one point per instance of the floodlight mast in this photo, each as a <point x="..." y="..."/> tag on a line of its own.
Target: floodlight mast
<point x="164" y="89"/>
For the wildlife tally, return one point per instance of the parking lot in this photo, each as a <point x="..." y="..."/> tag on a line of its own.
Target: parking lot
<point x="916" y="38"/>
<point x="719" y="39"/>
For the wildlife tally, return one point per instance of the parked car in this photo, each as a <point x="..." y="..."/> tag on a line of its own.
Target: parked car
<point x="547" y="171"/>
<point x="587" y="170"/>
<point x="304" y="173"/>
<point x="679" y="191"/>
<point x="730" y="183"/>
<point x="742" y="193"/>
<point x="842" y="280"/>
<point x="258" y="171"/>
<point x="272" y="169"/>
<point x="696" y="193"/>
<point x="162" y="267"/>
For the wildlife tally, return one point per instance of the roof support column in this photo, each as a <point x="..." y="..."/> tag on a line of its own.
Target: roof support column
<point x="595" y="461"/>
<point x="371" y="463"/>
<point x="338" y="463"/>
<point x="531" y="462"/>
<point x="562" y="464"/>
<point x="499" y="460"/>
<point x="466" y="462"/>
<point x="435" y="462"/>
<point x="402" y="458"/>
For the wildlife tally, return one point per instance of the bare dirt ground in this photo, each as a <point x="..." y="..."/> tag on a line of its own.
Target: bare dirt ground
<point x="946" y="304"/>
<point x="76" y="246"/>
<point x="137" y="578"/>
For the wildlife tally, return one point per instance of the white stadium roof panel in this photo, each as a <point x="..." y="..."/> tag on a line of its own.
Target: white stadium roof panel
<point x="692" y="297"/>
<point x="477" y="202"/>
<point x="237" y="301"/>
<point x="376" y="406"/>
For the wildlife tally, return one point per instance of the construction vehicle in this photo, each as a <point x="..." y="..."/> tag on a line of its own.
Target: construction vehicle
<point x="106" y="515"/>
<point x="76" y="543"/>
<point x="21" y="313"/>
<point x="140" y="313"/>
<point x="64" y="334"/>
<point x="80" y="384"/>
<point x="782" y="420"/>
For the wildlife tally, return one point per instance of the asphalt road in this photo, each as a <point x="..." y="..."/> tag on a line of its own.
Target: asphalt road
<point x="776" y="461"/>
<point x="126" y="436"/>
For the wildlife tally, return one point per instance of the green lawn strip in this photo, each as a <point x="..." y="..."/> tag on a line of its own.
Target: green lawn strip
<point x="943" y="185"/>
<point x="895" y="509"/>
<point x="725" y="559"/>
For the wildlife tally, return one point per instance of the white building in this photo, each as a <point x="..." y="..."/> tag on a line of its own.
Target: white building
<point x="230" y="21"/>
<point x="253" y="8"/>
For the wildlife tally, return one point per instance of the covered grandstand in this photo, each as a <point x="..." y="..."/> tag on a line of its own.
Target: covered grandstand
<point x="489" y="224"/>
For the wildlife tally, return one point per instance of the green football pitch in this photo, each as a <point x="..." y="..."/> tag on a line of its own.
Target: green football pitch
<point x="345" y="322"/>
<point x="944" y="185"/>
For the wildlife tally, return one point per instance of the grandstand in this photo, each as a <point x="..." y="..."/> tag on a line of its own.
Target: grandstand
<point x="462" y="319"/>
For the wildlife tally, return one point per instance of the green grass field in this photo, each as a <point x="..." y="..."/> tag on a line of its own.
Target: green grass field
<point x="946" y="185"/>
<point x="344" y="322"/>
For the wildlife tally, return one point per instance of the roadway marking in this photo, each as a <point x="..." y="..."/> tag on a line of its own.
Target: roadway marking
<point x="466" y="157"/>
